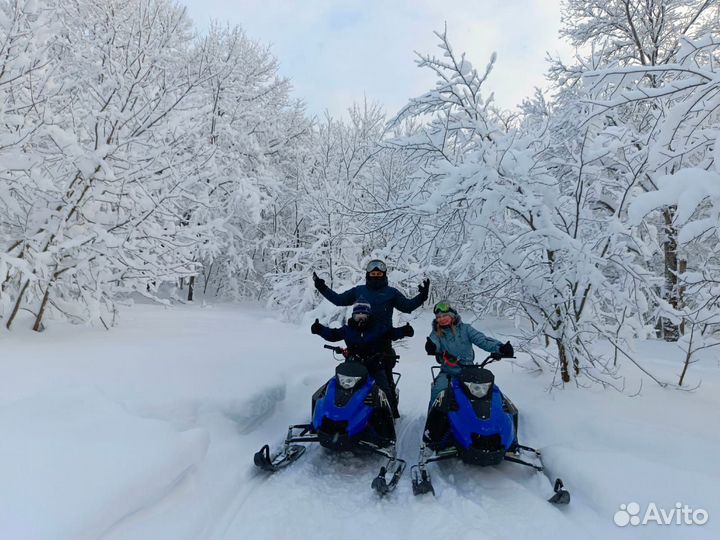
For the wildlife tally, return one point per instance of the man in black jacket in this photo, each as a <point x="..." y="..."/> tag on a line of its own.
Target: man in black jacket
<point x="376" y="291"/>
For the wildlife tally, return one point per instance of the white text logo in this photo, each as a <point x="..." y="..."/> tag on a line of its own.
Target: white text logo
<point x="680" y="514"/>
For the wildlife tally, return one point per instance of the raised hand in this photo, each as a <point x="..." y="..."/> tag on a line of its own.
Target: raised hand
<point x="506" y="350"/>
<point x="318" y="281"/>
<point x="424" y="289"/>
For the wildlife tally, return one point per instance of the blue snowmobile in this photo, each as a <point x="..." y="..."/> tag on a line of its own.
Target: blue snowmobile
<point x="472" y="420"/>
<point x="348" y="412"/>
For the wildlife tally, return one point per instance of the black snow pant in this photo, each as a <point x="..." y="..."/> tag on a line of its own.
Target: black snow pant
<point x="388" y="364"/>
<point x="380" y="365"/>
<point x="381" y="379"/>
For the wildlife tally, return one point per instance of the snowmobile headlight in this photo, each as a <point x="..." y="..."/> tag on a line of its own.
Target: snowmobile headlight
<point x="347" y="382"/>
<point x="478" y="389"/>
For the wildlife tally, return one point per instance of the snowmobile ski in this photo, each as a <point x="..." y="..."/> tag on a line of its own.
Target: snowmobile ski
<point x="290" y="452"/>
<point x="395" y="468"/>
<point x="421" y="481"/>
<point x="283" y="459"/>
<point x="561" y="495"/>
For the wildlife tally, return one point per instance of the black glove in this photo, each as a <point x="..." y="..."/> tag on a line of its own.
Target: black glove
<point x="316" y="327"/>
<point x="424" y="289"/>
<point x="319" y="282"/>
<point x="506" y="350"/>
<point x="430" y="347"/>
<point x="408" y="330"/>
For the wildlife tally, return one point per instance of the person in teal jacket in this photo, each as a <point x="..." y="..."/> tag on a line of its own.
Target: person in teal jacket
<point x="451" y="342"/>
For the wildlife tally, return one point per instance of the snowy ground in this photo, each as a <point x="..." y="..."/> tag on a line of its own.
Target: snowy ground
<point x="148" y="431"/>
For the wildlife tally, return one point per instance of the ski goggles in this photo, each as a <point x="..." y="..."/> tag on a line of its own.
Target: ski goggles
<point x="376" y="265"/>
<point x="442" y="307"/>
<point x="360" y="317"/>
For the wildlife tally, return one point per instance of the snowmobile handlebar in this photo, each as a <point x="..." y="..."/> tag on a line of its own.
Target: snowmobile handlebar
<point x="493" y="357"/>
<point x="346" y="353"/>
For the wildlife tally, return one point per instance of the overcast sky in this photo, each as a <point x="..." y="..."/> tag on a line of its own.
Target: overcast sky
<point x="337" y="51"/>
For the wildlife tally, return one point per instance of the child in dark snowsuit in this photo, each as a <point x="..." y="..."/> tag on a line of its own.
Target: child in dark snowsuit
<point x="366" y="341"/>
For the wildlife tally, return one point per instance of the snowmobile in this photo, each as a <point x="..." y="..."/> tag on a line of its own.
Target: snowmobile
<point x="348" y="412"/>
<point x="472" y="420"/>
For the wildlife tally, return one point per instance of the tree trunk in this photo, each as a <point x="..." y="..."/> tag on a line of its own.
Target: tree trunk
<point x="688" y="355"/>
<point x="682" y="268"/>
<point x="670" y="330"/>
<point x="207" y="277"/>
<point x="41" y="312"/>
<point x="564" y="365"/>
<point x="191" y="288"/>
<point x="16" y="307"/>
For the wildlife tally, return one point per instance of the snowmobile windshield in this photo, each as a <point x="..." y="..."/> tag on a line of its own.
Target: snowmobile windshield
<point x="478" y="389"/>
<point x="347" y="382"/>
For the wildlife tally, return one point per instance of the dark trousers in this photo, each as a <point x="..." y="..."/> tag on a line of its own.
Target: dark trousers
<point x="388" y="364"/>
<point x="380" y="365"/>
<point x="381" y="379"/>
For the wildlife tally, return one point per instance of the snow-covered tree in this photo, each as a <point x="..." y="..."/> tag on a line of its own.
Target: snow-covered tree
<point x="638" y="38"/>
<point x="512" y="218"/>
<point x="253" y="131"/>
<point x="28" y="54"/>
<point x="337" y="181"/>
<point x="684" y="144"/>
<point x="113" y="172"/>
